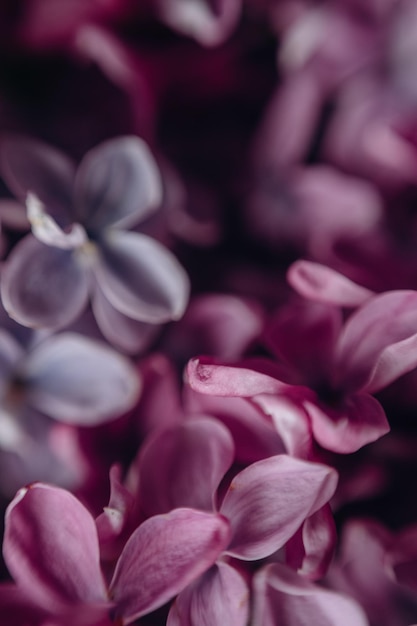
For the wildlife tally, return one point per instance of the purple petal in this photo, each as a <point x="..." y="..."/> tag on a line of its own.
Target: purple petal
<point x="117" y="183"/>
<point x="282" y="596"/>
<point x="80" y="381"/>
<point x="112" y="521"/>
<point x="17" y="609"/>
<point x="128" y="335"/>
<point x="361" y="420"/>
<point x="270" y="499"/>
<point x="381" y="323"/>
<point x="183" y="466"/>
<point x="51" y="547"/>
<point x="322" y="284"/>
<point x="46" y="229"/>
<point x="43" y="286"/>
<point x="30" y="166"/>
<point x="219" y="597"/>
<point x="164" y="555"/>
<point x="141" y="278"/>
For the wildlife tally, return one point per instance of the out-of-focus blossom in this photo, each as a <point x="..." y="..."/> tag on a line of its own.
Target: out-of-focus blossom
<point x="51" y="549"/>
<point x="79" y="248"/>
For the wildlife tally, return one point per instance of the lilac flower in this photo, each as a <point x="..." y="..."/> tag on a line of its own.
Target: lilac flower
<point x="79" y="248"/>
<point x="51" y="549"/>
<point x="265" y="504"/>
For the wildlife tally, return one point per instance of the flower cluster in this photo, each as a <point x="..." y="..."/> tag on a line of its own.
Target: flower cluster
<point x="208" y="312"/>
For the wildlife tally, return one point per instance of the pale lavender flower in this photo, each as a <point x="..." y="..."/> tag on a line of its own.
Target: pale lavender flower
<point x="79" y="247"/>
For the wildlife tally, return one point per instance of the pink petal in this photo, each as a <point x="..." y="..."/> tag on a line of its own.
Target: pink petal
<point x="361" y="420"/>
<point x="322" y="284"/>
<point x="183" y="466"/>
<point x="112" y="521"/>
<point x="117" y="183"/>
<point x="164" y="555"/>
<point x="219" y="597"/>
<point x="141" y="278"/>
<point x="270" y="499"/>
<point x="79" y="380"/>
<point x="311" y="549"/>
<point x="43" y="286"/>
<point x="206" y="376"/>
<point x="282" y="596"/>
<point x="51" y="547"/>
<point x="380" y="324"/>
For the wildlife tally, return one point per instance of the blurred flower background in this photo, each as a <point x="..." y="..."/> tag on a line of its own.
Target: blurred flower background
<point x="208" y="315"/>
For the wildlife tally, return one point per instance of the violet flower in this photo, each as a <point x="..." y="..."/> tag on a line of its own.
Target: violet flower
<point x="51" y="549"/>
<point x="79" y="248"/>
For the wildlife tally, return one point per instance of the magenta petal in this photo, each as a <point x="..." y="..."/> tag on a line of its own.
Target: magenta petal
<point x="51" y="547"/>
<point x="30" y="166"/>
<point x="219" y="597"/>
<point x="117" y="183"/>
<point x="141" y="278"/>
<point x="43" y="286"/>
<point x="164" y="555"/>
<point x="360" y="421"/>
<point x="183" y="466"/>
<point x="379" y="325"/>
<point x="284" y="597"/>
<point x="79" y="380"/>
<point x="112" y="521"/>
<point x="323" y="284"/>
<point x="206" y="376"/>
<point x="270" y="499"/>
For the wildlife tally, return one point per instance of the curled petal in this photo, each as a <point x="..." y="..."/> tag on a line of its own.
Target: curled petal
<point x="43" y="286"/>
<point x="219" y="597"/>
<point x="141" y="278"/>
<point x="164" y="555"/>
<point x="30" y="166"/>
<point x="279" y="591"/>
<point x="80" y="381"/>
<point x="117" y="183"/>
<point x="360" y="421"/>
<point x="322" y="284"/>
<point x="382" y="323"/>
<point x="268" y="501"/>
<point x="183" y="466"/>
<point x="51" y="547"/>
<point x="45" y="228"/>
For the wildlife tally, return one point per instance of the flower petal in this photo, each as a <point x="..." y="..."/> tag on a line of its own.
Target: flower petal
<point x="219" y="597"/>
<point x="164" y="555"/>
<point x="43" y="286"/>
<point x="117" y="183"/>
<point x="268" y="501"/>
<point x="281" y="594"/>
<point x="128" y="335"/>
<point x="141" y="278"/>
<point x="51" y="547"/>
<point x="183" y="466"/>
<point x="29" y="166"/>
<point x="79" y="380"/>
<point x="322" y="284"/>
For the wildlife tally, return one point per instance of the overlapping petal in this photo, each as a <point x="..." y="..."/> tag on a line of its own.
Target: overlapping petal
<point x="43" y="286"/>
<point x="270" y="499"/>
<point x="183" y="466"/>
<point x="164" y="555"/>
<point x="141" y="278"/>
<point x="219" y="597"/>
